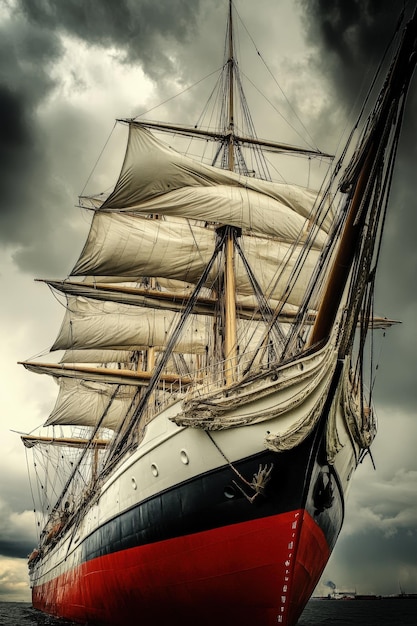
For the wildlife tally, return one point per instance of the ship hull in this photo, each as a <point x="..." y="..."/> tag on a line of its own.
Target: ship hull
<point x="238" y="574"/>
<point x="197" y="526"/>
<point x="202" y="551"/>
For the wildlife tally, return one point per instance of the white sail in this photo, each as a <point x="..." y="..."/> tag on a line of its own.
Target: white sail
<point x="132" y="246"/>
<point x="92" y="323"/>
<point x="138" y="184"/>
<point x="238" y="206"/>
<point x="127" y="245"/>
<point x="84" y="403"/>
<point x="97" y="356"/>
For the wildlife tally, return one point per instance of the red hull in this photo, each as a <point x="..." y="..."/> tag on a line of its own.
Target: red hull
<point x="258" y="572"/>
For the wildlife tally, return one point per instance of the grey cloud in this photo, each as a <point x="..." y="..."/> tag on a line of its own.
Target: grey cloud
<point x="138" y="28"/>
<point x="24" y="83"/>
<point x="17" y="532"/>
<point x="30" y="48"/>
<point x="373" y="562"/>
<point x="352" y="33"/>
<point x="16" y="548"/>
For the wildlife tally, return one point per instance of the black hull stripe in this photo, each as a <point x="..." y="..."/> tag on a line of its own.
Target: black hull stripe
<point x="217" y="499"/>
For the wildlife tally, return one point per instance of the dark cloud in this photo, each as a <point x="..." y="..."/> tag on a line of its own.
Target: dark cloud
<point x="140" y="29"/>
<point x="24" y="83"/>
<point x="16" y="548"/>
<point x="352" y="34"/>
<point x="28" y="191"/>
<point x="32" y="195"/>
<point x="381" y="560"/>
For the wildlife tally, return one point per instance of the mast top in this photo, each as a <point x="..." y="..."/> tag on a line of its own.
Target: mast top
<point x="230" y="65"/>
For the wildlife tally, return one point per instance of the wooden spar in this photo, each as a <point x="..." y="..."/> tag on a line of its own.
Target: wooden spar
<point x="175" y="302"/>
<point x="146" y="297"/>
<point x="30" y="440"/>
<point x="342" y="264"/>
<point x="264" y="144"/>
<point x="150" y="359"/>
<point x="150" y="352"/>
<point x="127" y="377"/>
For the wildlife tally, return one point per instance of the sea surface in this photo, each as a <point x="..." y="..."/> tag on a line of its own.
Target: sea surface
<point x="384" y="612"/>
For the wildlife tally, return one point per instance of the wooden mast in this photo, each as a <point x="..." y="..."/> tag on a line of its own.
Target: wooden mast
<point x="230" y="346"/>
<point x="342" y="265"/>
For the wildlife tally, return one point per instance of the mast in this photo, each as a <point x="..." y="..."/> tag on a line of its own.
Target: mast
<point x="230" y="339"/>
<point x="230" y="62"/>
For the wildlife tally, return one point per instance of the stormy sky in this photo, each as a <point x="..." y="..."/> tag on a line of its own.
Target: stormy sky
<point x="67" y="71"/>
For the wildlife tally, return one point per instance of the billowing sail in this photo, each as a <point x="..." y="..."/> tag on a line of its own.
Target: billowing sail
<point x="131" y="246"/>
<point x="90" y="323"/>
<point x="238" y="200"/>
<point x="87" y="403"/>
<point x="97" y="356"/>
<point x="108" y="325"/>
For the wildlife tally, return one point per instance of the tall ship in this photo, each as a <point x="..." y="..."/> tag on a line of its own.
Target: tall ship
<point x="212" y="369"/>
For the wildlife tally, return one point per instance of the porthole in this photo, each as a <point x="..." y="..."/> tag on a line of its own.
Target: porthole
<point x="184" y="457"/>
<point x="230" y="492"/>
<point x="154" y="469"/>
<point x="134" y="484"/>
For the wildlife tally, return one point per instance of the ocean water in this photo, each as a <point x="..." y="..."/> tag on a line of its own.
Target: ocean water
<point x="385" y="612"/>
<point x="379" y="612"/>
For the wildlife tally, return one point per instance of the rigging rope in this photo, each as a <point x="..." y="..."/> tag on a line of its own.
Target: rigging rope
<point x="276" y="82"/>
<point x="259" y="480"/>
<point x="122" y="441"/>
<point x="84" y="451"/>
